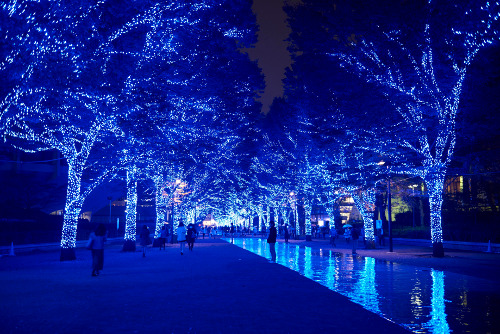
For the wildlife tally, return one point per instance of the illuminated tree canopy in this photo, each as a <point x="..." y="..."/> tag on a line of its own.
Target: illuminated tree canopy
<point x="83" y="74"/>
<point x="161" y="92"/>
<point x="418" y="60"/>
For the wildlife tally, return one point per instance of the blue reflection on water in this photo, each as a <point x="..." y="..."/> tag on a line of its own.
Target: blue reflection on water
<point x="438" y="314"/>
<point x="410" y="296"/>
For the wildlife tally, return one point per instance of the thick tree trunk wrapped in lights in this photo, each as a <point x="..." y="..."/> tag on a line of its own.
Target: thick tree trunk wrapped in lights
<point x="160" y="205"/>
<point x="260" y="212"/>
<point x="71" y="212"/>
<point x="365" y="202"/>
<point x="129" y="244"/>
<point x="307" y="220"/>
<point x="434" y="182"/>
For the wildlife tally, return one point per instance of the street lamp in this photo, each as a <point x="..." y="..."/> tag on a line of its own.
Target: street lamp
<point x="109" y="199"/>
<point x="413" y="186"/>
<point x="389" y="205"/>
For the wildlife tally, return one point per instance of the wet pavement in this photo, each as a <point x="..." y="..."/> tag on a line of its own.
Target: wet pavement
<point x="217" y="288"/>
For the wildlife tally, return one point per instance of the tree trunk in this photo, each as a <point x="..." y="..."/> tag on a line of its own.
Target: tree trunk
<point x="72" y="209"/>
<point x="435" y="183"/>
<point x="131" y="218"/>
<point x="268" y="216"/>
<point x="68" y="239"/>
<point x="261" y="219"/>
<point x="307" y="223"/>
<point x="367" y="217"/>
<point x="297" y="223"/>
<point x="161" y="206"/>
<point x="330" y="213"/>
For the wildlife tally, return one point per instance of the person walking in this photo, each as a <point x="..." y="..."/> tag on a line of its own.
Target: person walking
<point x="286" y="233"/>
<point x="271" y="240"/>
<point x="163" y="236"/>
<point x="381" y="240"/>
<point x="181" y="236"/>
<point x="333" y="236"/>
<point x="96" y="242"/>
<point x="231" y="232"/>
<point x="347" y="234"/>
<point x="145" y="239"/>
<point x="191" y="236"/>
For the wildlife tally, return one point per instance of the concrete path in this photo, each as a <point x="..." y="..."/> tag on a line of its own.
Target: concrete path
<point x="217" y="288"/>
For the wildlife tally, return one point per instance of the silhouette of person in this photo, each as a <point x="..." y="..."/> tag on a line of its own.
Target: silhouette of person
<point x="181" y="236"/>
<point x="287" y="234"/>
<point x="333" y="236"/>
<point x="163" y="237"/>
<point x="97" y="239"/>
<point x="271" y="240"/>
<point x="145" y="239"/>
<point x="191" y="236"/>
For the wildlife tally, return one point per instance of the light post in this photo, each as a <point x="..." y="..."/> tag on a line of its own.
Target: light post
<point x="389" y="204"/>
<point x="109" y="199"/>
<point x="389" y="218"/>
<point x="175" y="195"/>
<point x="413" y="186"/>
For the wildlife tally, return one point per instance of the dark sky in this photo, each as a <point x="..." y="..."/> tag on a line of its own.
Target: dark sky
<point x="271" y="49"/>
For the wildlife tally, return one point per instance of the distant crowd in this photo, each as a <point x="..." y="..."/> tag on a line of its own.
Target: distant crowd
<point x="189" y="235"/>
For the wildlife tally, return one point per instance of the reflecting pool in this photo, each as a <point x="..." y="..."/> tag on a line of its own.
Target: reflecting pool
<point x="420" y="299"/>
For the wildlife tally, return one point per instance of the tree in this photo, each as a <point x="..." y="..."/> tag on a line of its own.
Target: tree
<point x="418" y="60"/>
<point x="70" y="99"/>
<point x="97" y="64"/>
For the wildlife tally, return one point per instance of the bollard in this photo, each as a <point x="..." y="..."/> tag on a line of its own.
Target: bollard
<point x="489" y="247"/>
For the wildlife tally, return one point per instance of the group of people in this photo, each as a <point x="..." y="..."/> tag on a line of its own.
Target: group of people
<point x="350" y="233"/>
<point x="97" y="238"/>
<point x="184" y="235"/>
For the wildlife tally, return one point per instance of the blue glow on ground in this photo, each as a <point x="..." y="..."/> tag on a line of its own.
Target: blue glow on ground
<point x="420" y="299"/>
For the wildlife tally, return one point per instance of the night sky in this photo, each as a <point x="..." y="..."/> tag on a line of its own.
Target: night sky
<point x="271" y="48"/>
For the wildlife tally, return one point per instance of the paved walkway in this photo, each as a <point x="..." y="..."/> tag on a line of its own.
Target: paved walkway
<point x="217" y="288"/>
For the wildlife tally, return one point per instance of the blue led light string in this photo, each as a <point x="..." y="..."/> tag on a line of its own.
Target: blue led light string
<point x="296" y="218"/>
<point x="307" y="216"/>
<point x="131" y="207"/>
<point x="160" y="204"/>
<point x="331" y="200"/>
<point x="268" y="216"/>
<point x="365" y="202"/>
<point x="406" y="76"/>
<point x="180" y="120"/>
<point x="260" y="213"/>
<point x="75" y="119"/>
